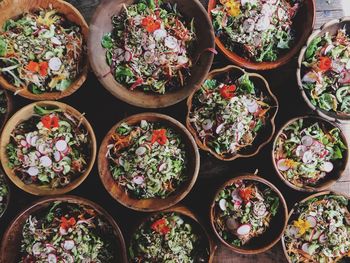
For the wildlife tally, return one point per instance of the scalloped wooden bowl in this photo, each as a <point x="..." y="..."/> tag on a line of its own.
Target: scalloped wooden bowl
<point x="292" y="216"/>
<point x="183" y="210"/>
<point x="24" y="114"/>
<point x="330" y="179"/>
<point x="11" y="242"/>
<point x="304" y="24"/>
<point x="153" y="204"/>
<point x="101" y="24"/>
<point x="8" y="112"/>
<point x="264" y="136"/>
<point x="277" y="226"/>
<point x="13" y="9"/>
<point x="2" y="174"/>
<point x="331" y="27"/>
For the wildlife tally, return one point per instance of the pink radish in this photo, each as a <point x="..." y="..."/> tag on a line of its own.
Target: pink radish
<point x="308" y="157"/>
<point x="207" y="124"/>
<point x="33" y="171"/>
<point x="51" y="258"/>
<point x="57" y="156"/>
<point x="50" y="248"/>
<point x="327" y="167"/>
<point x="43" y="149"/>
<point x="171" y="42"/>
<point x="66" y="151"/>
<point x="311" y="220"/>
<point x="138" y="180"/>
<point x="232" y="224"/>
<point x="127" y="56"/>
<point x="63" y="231"/>
<point x="322" y="238"/>
<point x="56" y="41"/>
<point x="305" y="247"/>
<point x="68" y="244"/>
<point x="220" y="128"/>
<point x="244" y="229"/>
<point x="149" y="57"/>
<point x="222" y="204"/>
<point x="33" y="140"/>
<point x="282" y="165"/>
<point x="61" y="145"/>
<point x="45" y="161"/>
<point x="36" y="249"/>
<point x="301" y="149"/>
<point x="28" y="138"/>
<point x="159" y="34"/>
<point x="307" y="140"/>
<point x="24" y="143"/>
<point x="162" y="167"/>
<point x="316" y="235"/>
<point x="292" y="231"/>
<point x="57" y="168"/>
<point x="55" y="64"/>
<point x="235" y="196"/>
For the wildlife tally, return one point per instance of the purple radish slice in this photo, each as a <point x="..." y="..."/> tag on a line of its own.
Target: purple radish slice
<point x="36" y="249"/>
<point x="140" y="151"/>
<point x="308" y="157"/>
<point x="68" y="244"/>
<point x="220" y="128"/>
<point x="51" y="258"/>
<point x="45" y="161"/>
<point x="138" y="180"/>
<point x="34" y="140"/>
<point x="301" y="149"/>
<point x="235" y="196"/>
<point x="322" y="238"/>
<point x="307" y="140"/>
<point x="326" y="167"/>
<point x="127" y="56"/>
<point x="61" y="145"/>
<point x="57" y="156"/>
<point x="222" y="204"/>
<point x="24" y="143"/>
<point x="162" y="167"/>
<point x="312" y="221"/>
<point x="282" y="165"/>
<point x="292" y="231"/>
<point x="305" y="247"/>
<point x="33" y="171"/>
<point x="244" y="229"/>
<point x="207" y="124"/>
<point x="232" y="224"/>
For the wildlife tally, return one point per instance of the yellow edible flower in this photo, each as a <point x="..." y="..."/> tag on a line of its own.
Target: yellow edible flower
<point x="302" y="225"/>
<point x="290" y="163"/>
<point x="49" y="19"/>
<point x="233" y="7"/>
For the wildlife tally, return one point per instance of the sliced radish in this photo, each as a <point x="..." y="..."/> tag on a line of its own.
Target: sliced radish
<point x="50" y="248"/>
<point x="56" y="41"/>
<point x="248" y="25"/>
<point x="282" y="165"/>
<point x="68" y="244"/>
<point x="43" y="148"/>
<point x="307" y="140"/>
<point x="232" y="224"/>
<point x="253" y="107"/>
<point x="37" y="153"/>
<point x="316" y="235"/>
<point x="33" y="140"/>
<point x="162" y="167"/>
<point x="51" y="258"/>
<point x="322" y="238"/>
<point x="61" y="145"/>
<point x="171" y="42"/>
<point x="57" y="168"/>
<point x="312" y="221"/>
<point x="259" y="209"/>
<point x="327" y="167"/>
<point x="67" y="258"/>
<point x="305" y="247"/>
<point x="292" y="231"/>
<point x="127" y="56"/>
<point x="308" y="157"/>
<point x="140" y="151"/>
<point x="45" y="161"/>
<point x="235" y="196"/>
<point x="63" y="231"/>
<point x="33" y="171"/>
<point x="57" y="156"/>
<point x="220" y="128"/>
<point x="36" y="249"/>
<point x="159" y="34"/>
<point x="182" y="60"/>
<point x="244" y="229"/>
<point x="263" y="23"/>
<point x="28" y="137"/>
<point x="300" y="150"/>
<point x="66" y="151"/>
<point x="24" y="143"/>
<point x="310" y="77"/>
<point x="55" y="64"/>
<point x="138" y="180"/>
<point x="207" y="124"/>
<point x="222" y="204"/>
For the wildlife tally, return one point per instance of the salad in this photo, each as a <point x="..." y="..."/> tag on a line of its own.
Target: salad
<point x="306" y="152"/>
<point x="3" y="106"/>
<point x="228" y="115"/>
<point x="41" y="50"/>
<point x="4" y="194"/>
<point x="147" y="159"/>
<point x="67" y="233"/>
<point x="51" y="148"/>
<point x="259" y="30"/>
<point x="243" y="211"/>
<point x="326" y="72"/>
<point x="150" y="47"/>
<point x="319" y="231"/>
<point x="168" y="237"/>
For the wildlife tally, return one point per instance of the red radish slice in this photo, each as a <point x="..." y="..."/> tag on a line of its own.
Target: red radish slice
<point x="45" y="161"/>
<point x="61" y="145"/>
<point x="43" y="149"/>
<point x="55" y="64"/>
<point x="282" y="165"/>
<point x="310" y="77"/>
<point x="51" y="258"/>
<point x="28" y="138"/>
<point x="57" y="168"/>
<point x="57" y="156"/>
<point x="33" y="171"/>
<point x="24" y="143"/>
<point x="305" y="247"/>
<point x="222" y="204"/>
<point x="312" y="221"/>
<point x="127" y="56"/>
<point x="322" y="238"/>
<point x="36" y="249"/>
<point x="253" y="107"/>
<point x="140" y="151"/>
<point x="232" y="224"/>
<point x="37" y="153"/>
<point x="308" y="157"/>
<point x="327" y="167"/>
<point x="33" y="140"/>
<point x="292" y="231"/>
<point x="50" y="248"/>
<point x="235" y="196"/>
<point x="66" y="151"/>
<point x="207" y="124"/>
<point x="68" y="244"/>
<point x="138" y="180"/>
<point x="345" y="77"/>
<point x="171" y="42"/>
<point x="159" y="34"/>
<point x="63" y="231"/>
<point x="149" y="57"/>
<point x="162" y="167"/>
<point x="307" y="140"/>
<point x="316" y="235"/>
<point x="244" y="229"/>
<point x="300" y="150"/>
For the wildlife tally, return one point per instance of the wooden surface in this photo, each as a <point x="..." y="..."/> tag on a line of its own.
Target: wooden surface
<point x="103" y="111"/>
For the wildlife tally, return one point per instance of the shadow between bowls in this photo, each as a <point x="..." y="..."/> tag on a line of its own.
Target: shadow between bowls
<point x="101" y="24"/>
<point x="13" y="9"/>
<point x="303" y="24"/>
<point x="183" y="210"/>
<point x="332" y="27"/>
<point x="331" y="178"/>
<point x="10" y="245"/>
<point x="272" y="235"/>
<point x="8" y="110"/>
<point x="24" y="114"/>
<point x="5" y="180"/>
<point x="153" y="204"/>
<point x="264" y="136"/>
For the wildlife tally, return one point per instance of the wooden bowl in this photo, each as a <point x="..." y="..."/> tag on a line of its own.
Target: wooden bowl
<point x="9" y="109"/>
<point x="184" y="211"/>
<point x="153" y="204"/>
<point x="293" y="212"/>
<point x="24" y="114"/>
<point x="304" y="24"/>
<point x="13" y="9"/>
<point x="332" y="27"/>
<point x="101" y="24"/>
<point x="332" y="178"/>
<point x="2" y="176"/>
<point x="272" y="235"/>
<point x="10" y="245"/>
<point x="264" y="136"/>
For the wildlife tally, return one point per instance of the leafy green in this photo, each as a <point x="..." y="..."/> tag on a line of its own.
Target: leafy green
<point x="311" y="49"/>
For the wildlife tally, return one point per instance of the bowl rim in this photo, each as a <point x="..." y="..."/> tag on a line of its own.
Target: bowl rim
<point x="184" y="211"/>
<point x="245" y="63"/>
<point x="70" y="199"/>
<point x="212" y="74"/>
<point x="150" y="102"/>
<point x="9" y="192"/>
<point x="188" y="185"/>
<point x="249" y="177"/>
<point x="23" y="91"/>
<point x="330" y="116"/>
<point x="310" y="189"/>
<point x="328" y="192"/>
<point x="44" y="190"/>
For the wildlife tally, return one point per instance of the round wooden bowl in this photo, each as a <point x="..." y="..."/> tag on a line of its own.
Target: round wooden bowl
<point x="293" y="213"/>
<point x="272" y="235"/>
<point x="9" y="109"/>
<point x="2" y="176"/>
<point x="11" y="241"/>
<point x="303" y="25"/>
<point x="101" y="24"/>
<point x="332" y="178"/>
<point x="264" y="136"/>
<point x="24" y="114"/>
<point x="13" y="9"/>
<point x="332" y="27"/>
<point x="184" y="211"/>
<point x="153" y="204"/>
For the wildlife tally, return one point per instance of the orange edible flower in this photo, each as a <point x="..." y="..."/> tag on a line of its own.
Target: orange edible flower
<point x="50" y="122"/>
<point x="160" y="226"/>
<point x="66" y="224"/>
<point x="325" y="63"/>
<point x="159" y="136"/>
<point x="245" y="194"/>
<point x="150" y="24"/>
<point x="227" y="91"/>
<point x="36" y="67"/>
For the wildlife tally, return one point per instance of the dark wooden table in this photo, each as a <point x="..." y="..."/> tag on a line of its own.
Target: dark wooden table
<point x="103" y="111"/>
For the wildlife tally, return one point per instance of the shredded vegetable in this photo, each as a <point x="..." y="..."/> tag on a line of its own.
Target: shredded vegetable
<point x="150" y="47"/>
<point x="50" y="148"/>
<point x="4" y="194"/>
<point x="148" y="159"/>
<point x="243" y="211"/>
<point x="306" y="152"/>
<point x="168" y="237"/>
